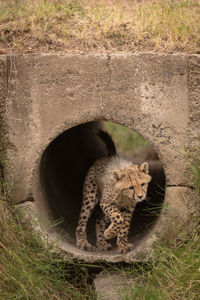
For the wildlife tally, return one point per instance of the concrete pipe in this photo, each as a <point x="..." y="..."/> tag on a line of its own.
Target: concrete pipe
<point x="50" y="105"/>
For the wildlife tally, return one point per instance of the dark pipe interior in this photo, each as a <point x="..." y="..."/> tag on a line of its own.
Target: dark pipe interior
<point x="62" y="171"/>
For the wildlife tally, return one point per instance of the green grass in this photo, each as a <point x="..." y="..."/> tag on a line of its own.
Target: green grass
<point x="100" y="26"/>
<point x="29" y="270"/>
<point x="126" y="140"/>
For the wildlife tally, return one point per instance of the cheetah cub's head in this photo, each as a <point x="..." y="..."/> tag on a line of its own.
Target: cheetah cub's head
<point x="132" y="181"/>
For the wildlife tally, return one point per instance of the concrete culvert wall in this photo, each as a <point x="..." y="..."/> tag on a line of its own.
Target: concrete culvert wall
<point x="62" y="171"/>
<point x="49" y="107"/>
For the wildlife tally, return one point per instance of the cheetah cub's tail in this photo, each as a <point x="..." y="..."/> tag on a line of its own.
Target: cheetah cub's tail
<point x="108" y="141"/>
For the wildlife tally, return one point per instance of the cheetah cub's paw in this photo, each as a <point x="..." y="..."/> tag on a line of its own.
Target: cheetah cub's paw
<point x="111" y="233"/>
<point x="103" y="245"/>
<point x="124" y="248"/>
<point x="84" y="245"/>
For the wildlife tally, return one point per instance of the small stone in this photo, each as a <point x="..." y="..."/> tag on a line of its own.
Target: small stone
<point x="113" y="285"/>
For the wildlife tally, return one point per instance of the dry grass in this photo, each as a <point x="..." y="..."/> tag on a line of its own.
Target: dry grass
<point x="103" y="26"/>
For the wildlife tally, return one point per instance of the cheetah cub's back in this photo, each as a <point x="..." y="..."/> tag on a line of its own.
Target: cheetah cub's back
<point x="117" y="185"/>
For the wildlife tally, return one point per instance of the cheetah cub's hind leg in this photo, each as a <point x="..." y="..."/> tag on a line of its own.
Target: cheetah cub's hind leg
<point x="101" y="224"/>
<point x="89" y="202"/>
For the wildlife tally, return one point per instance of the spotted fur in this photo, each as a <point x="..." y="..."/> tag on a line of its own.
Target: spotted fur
<point x="117" y="185"/>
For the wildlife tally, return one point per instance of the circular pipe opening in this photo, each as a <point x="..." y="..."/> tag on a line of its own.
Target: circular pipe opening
<point x="64" y="165"/>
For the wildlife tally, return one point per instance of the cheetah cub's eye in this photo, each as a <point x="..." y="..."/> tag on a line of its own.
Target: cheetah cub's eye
<point x="143" y="184"/>
<point x="130" y="187"/>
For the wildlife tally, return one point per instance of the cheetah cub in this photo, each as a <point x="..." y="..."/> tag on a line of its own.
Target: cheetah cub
<point x="116" y="185"/>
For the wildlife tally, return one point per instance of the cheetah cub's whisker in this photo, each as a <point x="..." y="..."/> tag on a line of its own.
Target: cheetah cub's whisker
<point x="117" y="185"/>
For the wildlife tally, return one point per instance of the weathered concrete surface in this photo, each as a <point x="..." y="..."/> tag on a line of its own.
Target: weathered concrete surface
<point x="42" y="96"/>
<point x="194" y="98"/>
<point x="48" y="94"/>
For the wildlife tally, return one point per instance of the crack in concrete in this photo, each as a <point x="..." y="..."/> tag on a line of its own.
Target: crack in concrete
<point x="109" y="79"/>
<point x="180" y="185"/>
<point x="28" y="199"/>
<point x="109" y="70"/>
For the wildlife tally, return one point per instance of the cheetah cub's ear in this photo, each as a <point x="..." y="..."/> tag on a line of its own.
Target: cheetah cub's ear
<point x="144" y="167"/>
<point x="117" y="174"/>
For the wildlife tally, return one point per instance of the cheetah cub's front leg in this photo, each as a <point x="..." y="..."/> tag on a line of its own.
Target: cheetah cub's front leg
<point x="122" y="237"/>
<point x="120" y="226"/>
<point x="116" y="220"/>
